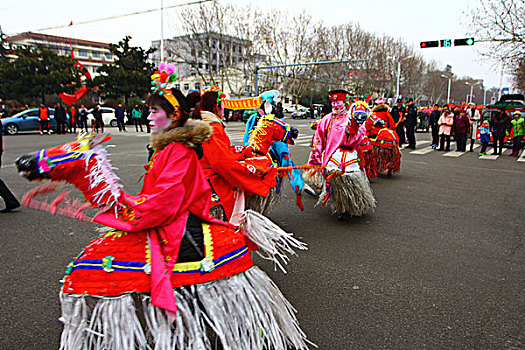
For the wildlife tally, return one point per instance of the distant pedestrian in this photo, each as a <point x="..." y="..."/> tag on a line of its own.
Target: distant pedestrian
<point x="73" y="120"/>
<point x="410" y="124"/>
<point x="11" y="203"/>
<point x="82" y="118"/>
<point x="434" y="126"/>
<point x="518" y="126"/>
<point x="445" y="129"/>
<point x="4" y="111"/>
<point x="460" y="129"/>
<point x="499" y="124"/>
<point x="99" y="122"/>
<point x="136" y="116"/>
<point x="119" y="115"/>
<point x="398" y="113"/>
<point x="474" y="117"/>
<point x="484" y="137"/>
<point x="145" y="114"/>
<point x="60" y="118"/>
<point x="43" y="117"/>
<point x="279" y="110"/>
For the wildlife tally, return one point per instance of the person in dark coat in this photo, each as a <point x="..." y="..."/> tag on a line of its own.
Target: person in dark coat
<point x="97" y="114"/>
<point x="434" y="127"/>
<point x="60" y="118"/>
<point x="499" y="124"/>
<point x="145" y="121"/>
<point x="398" y="113"/>
<point x="460" y="129"/>
<point x="82" y="118"/>
<point x="410" y="124"/>
<point x="11" y="203"/>
<point x="119" y="115"/>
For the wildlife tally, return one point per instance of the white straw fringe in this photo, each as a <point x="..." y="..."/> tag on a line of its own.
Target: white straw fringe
<point x="245" y="311"/>
<point x="274" y="243"/>
<point x="352" y="194"/>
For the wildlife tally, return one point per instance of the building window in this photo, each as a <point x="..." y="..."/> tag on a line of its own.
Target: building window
<point x="82" y="53"/>
<point x="95" y="54"/>
<point x="108" y="55"/>
<point x="197" y="86"/>
<point x="207" y="66"/>
<point x="186" y="86"/>
<point x="200" y="65"/>
<point x="177" y="86"/>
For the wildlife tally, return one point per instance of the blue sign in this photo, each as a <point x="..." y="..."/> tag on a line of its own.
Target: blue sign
<point x="505" y="90"/>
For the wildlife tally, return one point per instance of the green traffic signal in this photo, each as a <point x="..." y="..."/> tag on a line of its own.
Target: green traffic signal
<point x="464" y="42"/>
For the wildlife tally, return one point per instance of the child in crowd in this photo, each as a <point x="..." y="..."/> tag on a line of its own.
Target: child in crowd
<point x="484" y="135"/>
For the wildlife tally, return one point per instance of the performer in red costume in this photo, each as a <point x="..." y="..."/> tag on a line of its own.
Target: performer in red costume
<point x="229" y="179"/>
<point x="170" y="276"/>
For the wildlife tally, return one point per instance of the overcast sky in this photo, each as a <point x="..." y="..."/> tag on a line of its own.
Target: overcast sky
<point x="411" y="20"/>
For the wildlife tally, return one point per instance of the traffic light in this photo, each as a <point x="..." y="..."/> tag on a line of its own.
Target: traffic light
<point x="464" y="42"/>
<point x="445" y="42"/>
<point x="425" y="44"/>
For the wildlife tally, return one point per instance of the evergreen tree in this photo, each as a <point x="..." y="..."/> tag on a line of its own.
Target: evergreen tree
<point x="129" y="76"/>
<point x="36" y="72"/>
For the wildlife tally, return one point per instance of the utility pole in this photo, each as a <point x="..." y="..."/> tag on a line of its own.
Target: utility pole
<point x="161" y="30"/>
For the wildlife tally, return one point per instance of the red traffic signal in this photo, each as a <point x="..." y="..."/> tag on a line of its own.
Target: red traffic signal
<point x="425" y="44"/>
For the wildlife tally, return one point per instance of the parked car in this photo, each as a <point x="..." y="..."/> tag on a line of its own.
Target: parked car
<point x="303" y="113"/>
<point x="28" y="121"/>
<point x="108" y="116"/>
<point x="292" y="108"/>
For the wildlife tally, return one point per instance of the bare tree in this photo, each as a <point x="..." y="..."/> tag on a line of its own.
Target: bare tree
<point x="501" y="23"/>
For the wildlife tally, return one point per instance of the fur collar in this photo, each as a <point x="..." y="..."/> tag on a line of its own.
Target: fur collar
<point x="381" y="108"/>
<point x="192" y="134"/>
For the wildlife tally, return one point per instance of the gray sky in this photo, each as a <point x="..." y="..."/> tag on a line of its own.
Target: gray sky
<point x="411" y="20"/>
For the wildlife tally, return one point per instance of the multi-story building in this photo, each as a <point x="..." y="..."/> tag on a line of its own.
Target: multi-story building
<point x="204" y="57"/>
<point x="91" y="54"/>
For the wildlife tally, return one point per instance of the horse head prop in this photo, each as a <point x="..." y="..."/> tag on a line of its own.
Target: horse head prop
<point x="82" y="163"/>
<point x="270" y="129"/>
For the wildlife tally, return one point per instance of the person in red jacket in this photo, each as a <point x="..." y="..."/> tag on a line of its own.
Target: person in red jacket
<point x="43" y="116"/>
<point x="228" y="178"/>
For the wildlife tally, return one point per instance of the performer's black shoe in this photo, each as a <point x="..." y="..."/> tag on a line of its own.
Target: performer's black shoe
<point x="342" y="216"/>
<point x="10" y="208"/>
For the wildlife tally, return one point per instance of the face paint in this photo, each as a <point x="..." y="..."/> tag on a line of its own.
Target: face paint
<point x="158" y="118"/>
<point x="338" y="106"/>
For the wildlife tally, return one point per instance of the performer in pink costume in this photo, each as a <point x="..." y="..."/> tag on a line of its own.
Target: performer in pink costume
<point x="335" y="145"/>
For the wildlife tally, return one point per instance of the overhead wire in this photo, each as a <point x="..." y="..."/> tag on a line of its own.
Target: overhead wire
<point x="121" y="16"/>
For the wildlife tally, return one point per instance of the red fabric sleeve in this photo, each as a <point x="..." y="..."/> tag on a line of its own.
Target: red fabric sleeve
<point x="225" y="163"/>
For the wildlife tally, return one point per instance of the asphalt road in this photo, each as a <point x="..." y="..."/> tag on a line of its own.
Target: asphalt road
<point x="440" y="264"/>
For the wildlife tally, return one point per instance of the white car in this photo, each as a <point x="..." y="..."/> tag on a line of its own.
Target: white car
<point x="108" y="116"/>
<point x="293" y="108"/>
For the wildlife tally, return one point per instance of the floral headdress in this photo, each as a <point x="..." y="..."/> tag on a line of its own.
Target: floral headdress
<point x="163" y="80"/>
<point x="215" y="88"/>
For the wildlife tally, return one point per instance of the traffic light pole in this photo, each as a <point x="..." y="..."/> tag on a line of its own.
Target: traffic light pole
<point x="257" y="68"/>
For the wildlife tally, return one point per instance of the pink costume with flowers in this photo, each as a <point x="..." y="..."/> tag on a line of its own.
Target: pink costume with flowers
<point x="336" y="141"/>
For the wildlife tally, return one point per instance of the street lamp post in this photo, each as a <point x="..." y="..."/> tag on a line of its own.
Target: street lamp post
<point x="399" y="73"/>
<point x="449" y="81"/>
<point x="472" y="89"/>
